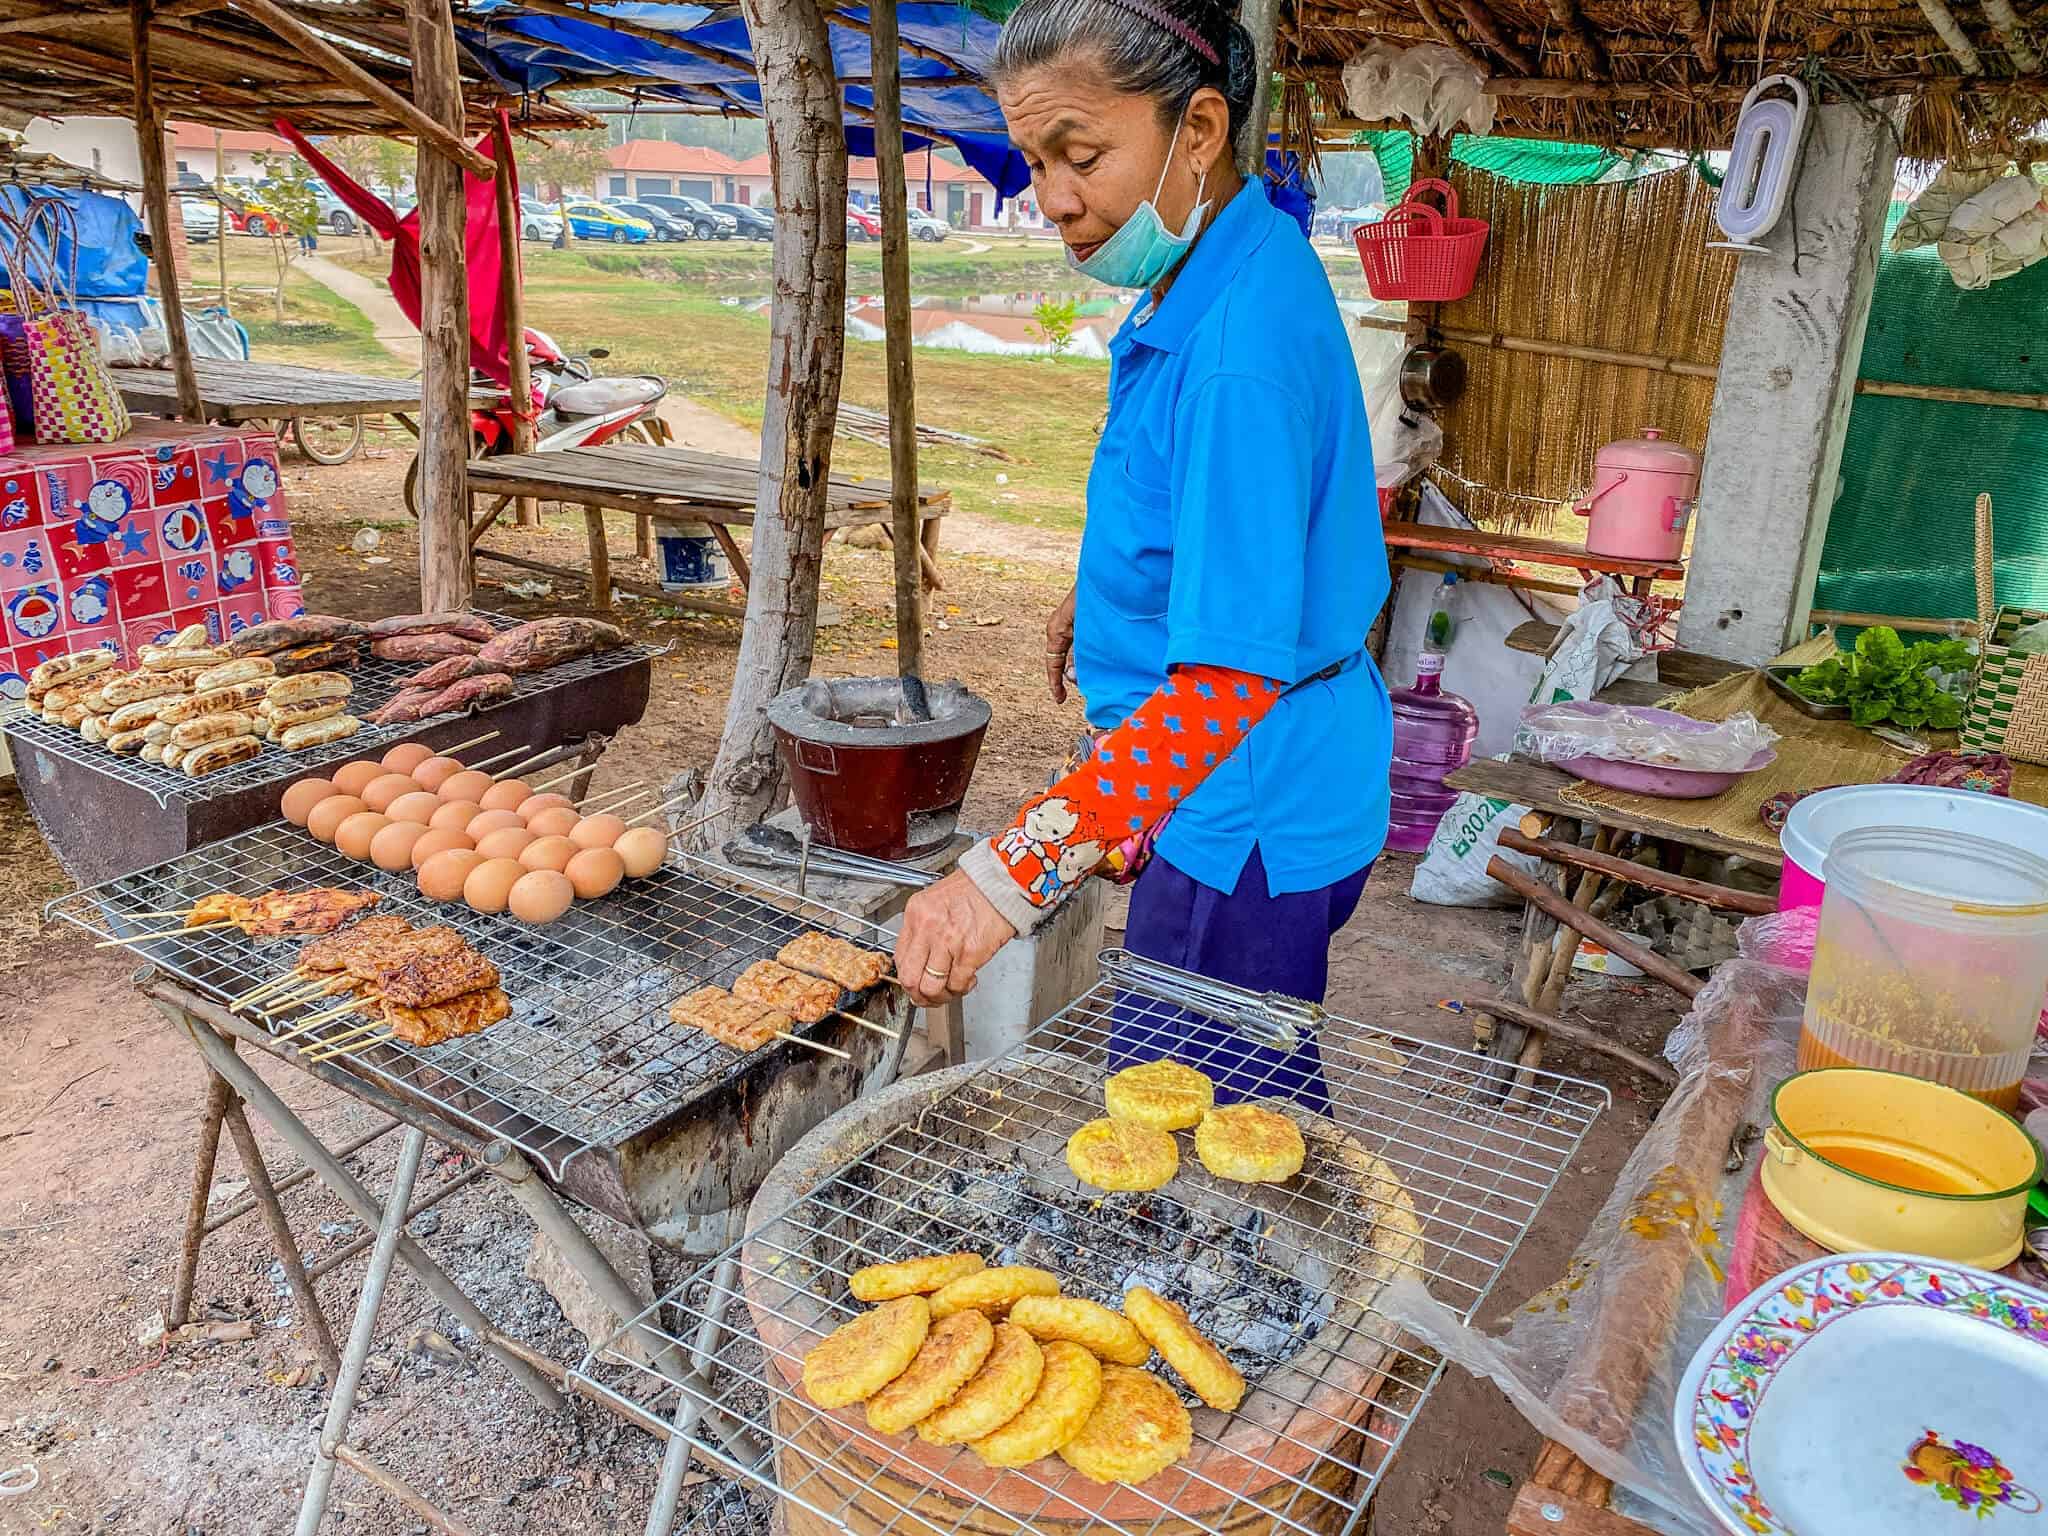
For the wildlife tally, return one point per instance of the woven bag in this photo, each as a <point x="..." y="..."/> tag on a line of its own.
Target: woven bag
<point x="75" y="399"/>
<point x="25" y="299"/>
<point x="2009" y="709"/>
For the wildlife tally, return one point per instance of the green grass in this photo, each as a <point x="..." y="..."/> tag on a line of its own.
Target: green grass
<point x="320" y="328"/>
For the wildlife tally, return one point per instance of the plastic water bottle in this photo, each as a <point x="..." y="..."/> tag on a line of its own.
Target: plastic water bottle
<point x="1433" y="734"/>
<point x="1443" y="617"/>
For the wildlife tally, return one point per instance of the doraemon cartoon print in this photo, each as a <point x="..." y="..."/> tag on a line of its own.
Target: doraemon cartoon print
<point x="101" y="513"/>
<point x="90" y="601"/>
<point x="250" y="494"/>
<point x="237" y="569"/>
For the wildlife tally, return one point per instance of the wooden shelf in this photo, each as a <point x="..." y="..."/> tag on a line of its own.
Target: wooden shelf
<point x="1675" y="669"/>
<point x="1516" y="546"/>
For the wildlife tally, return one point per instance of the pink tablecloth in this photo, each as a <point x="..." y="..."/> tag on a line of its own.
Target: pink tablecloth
<point x="123" y="545"/>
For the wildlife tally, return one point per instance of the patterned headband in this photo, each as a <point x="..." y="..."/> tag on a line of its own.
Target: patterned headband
<point x="1165" y="20"/>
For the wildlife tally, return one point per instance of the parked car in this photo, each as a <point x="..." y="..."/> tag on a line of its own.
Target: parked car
<point x="666" y="225"/>
<point x="754" y="223"/>
<point x="334" y="214"/>
<point x="537" y="221"/>
<point x="242" y="206"/>
<point x="704" y="221"/>
<point x="590" y="220"/>
<point x="861" y="224"/>
<point x="928" y="226"/>
<point x="202" y="218"/>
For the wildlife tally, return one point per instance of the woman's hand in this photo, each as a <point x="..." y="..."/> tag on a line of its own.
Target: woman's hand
<point x="949" y="932"/>
<point x="1059" y="644"/>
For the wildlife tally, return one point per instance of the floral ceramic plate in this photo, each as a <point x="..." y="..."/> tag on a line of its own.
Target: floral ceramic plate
<point x="1873" y="1394"/>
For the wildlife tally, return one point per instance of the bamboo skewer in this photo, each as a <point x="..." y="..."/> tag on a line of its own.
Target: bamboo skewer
<point x="613" y="794"/>
<point x="616" y="806"/>
<point x="522" y="765"/>
<point x="330" y="1052"/>
<point x="289" y="981"/>
<point x="312" y="992"/>
<point x="816" y="1045"/>
<point x="663" y="808"/>
<point x="352" y="1032"/>
<point x="880" y="1029"/>
<point x="495" y="757"/>
<point x="474" y="741"/>
<point x="560" y="778"/>
<point x="350" y="1006"/>
<point x="163" y="933"/>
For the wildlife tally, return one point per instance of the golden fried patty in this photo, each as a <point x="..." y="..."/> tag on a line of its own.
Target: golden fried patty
<point x="1091" y="1325"/>
<point x="912" y="1277"/>
<point x="994" y="1395"/>
<point x="951" y="1353"/>
<point x="1251" y="1144"/>
<point x="1138" y="1428"/>
<point x="1066" y="1395"/>
<point x="1200" y="1364"/>
<point x="1164" y="1095"/>
<point x="1113" y="1154"/>
<point x="993" y="1290"/>
<point x="860" y="1358"/>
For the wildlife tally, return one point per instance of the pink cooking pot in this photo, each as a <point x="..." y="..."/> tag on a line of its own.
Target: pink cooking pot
<point x="1644" y="489"/>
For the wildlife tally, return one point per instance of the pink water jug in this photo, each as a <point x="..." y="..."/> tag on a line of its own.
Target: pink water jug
<point x="1643" y="494"/>
<point x="1433" y="733"/>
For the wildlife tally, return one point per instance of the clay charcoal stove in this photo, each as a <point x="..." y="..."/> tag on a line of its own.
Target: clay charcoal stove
<point x="1417" y="1172"/>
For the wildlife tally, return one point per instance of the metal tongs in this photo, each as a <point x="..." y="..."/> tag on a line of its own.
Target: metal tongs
<point x="1269" y="1019"/>
<point x="764" y="847"/>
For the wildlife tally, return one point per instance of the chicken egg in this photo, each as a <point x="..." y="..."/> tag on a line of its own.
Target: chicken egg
<point x="555" y="821"/>
<point x="441" y="877"/>
<point x="353" y="836"/>
<point x="438" y="840"/>
<point x="506" y="795"/>
<point x="406" y="756"/>
<point x="454" y="816"/>
<point x="504" y="842"/>
<point x="642" y="849"/>
<point x="354" y="778"/>
<point x="483" y="823"/>
<point x="540" y="896"/>
<point x="380" y="792"/>
<point x="300" y="799"/>
<point x="595" y="872"/>
<point x="490" y="884"/>
<point x="392" y="847"/>
<point x="548" y="853"/>
<point x="470" y="784"/>
<point x="325" y="819"/>
<point x="417" y="805"/>
<point x="436" y="771"/>
<point x="533" y="805"/>
<point x="597" y="831"/>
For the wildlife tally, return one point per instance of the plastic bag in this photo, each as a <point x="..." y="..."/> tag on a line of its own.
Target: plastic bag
<point x="1625" y="733"/>
<point x="1593" y="1360"/>
<point x="1428" y="84"/>
<point x="1927" y="219"/>
<point x="1405" y="442"/>
<point x="2031" y="639"/>
<point x="1995" y="233"/>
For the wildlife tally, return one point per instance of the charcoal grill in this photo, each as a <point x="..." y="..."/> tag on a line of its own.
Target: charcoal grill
<point x="77" y="789"/>
<point x="1417" y="1170"/>
<point x="586" y="1089"/>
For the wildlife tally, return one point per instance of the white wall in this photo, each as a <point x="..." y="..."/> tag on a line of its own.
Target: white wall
<point x="103" y="144"/>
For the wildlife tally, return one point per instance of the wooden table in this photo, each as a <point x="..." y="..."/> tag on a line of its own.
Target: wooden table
<point x="1639" y="574"/>
<point x="242" y="391"/>
<point x="678" y="485"/>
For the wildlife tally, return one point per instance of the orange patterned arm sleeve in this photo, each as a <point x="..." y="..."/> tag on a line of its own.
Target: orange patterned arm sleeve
<point x="1136" y="775"/>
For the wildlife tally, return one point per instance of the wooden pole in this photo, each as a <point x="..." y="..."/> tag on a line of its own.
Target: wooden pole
<point x="432" y="127"/>
<point x="445" y="567"/>
<point x="806" y="347"/>
<point x="1554" y="905"/>
<point x="156" y="202"/>
<point x="889" y="176"/>
<point x="1261" y="19"/>
<point x="220" y="228"/>
<point x="512" y="303"/>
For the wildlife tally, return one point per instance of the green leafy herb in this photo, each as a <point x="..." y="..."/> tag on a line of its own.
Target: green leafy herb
<point x="1924" y="684"/>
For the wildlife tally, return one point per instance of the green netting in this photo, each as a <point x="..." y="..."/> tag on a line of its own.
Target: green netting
<point x="1899" y="537"/>
<point x="1534" y="160"/>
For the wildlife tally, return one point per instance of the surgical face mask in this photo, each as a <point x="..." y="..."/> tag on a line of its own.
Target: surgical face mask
<point x="1143" y="250"/>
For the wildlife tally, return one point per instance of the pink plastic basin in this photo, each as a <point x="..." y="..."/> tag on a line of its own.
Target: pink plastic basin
<point x="1653" y="779"/>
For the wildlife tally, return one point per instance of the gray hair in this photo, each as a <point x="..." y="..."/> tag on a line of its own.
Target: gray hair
<point x="1164" y="49"/>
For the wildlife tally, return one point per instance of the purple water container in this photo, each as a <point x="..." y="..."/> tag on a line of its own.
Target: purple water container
<point x="1433" y="734"/>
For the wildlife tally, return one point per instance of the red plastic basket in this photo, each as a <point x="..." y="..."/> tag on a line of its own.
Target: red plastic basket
<point x="1417" y="253"/>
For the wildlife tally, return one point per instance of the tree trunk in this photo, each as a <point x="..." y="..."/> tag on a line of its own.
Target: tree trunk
<point x="444" y="309"/>
<point x="806" y="346"/>
<point x="895" y="198"/>
<point x="1261" y="18"/>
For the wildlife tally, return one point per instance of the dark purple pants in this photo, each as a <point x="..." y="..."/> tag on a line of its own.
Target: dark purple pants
<point x="1245" y="937"/>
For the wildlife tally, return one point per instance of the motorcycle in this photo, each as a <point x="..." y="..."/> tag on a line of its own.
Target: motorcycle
<point x="578" y="409"/>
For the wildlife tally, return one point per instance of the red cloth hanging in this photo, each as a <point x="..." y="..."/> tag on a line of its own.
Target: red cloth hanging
<point x="489" y="352"/>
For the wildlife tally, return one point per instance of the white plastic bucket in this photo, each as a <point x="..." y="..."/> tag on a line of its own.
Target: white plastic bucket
<point x="1819" y="819"/>
<point x="690" y="557"/>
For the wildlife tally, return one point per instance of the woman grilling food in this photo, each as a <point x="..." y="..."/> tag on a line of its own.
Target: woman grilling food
<point x="1231" y="565"/>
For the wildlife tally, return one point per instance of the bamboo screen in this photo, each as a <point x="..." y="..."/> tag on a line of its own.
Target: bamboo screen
<point x="1620" y="265"/>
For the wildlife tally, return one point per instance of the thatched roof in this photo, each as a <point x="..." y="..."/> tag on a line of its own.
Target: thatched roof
<point x="221" y="67"/>
<point x="1672" y="73"/>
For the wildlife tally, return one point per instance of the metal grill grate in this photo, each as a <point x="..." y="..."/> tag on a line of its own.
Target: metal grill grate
<point x="376" y="683"/>
<point x="588" y="1056"/>
<point x="1283" y="1277"/>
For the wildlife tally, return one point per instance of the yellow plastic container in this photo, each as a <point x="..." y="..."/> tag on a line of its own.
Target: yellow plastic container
<point x="1867" y="1161"/>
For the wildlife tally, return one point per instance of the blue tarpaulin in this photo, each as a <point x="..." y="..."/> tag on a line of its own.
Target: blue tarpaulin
<point x="536" y="53"/>
<point x="105" y="257"/>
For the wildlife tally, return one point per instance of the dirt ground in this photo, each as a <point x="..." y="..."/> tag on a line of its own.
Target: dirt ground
<point x="99" y="1097"/>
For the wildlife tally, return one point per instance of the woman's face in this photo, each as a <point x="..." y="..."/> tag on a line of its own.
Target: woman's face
<point x="1095" y="152"/>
